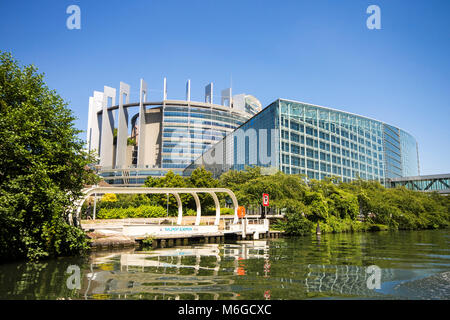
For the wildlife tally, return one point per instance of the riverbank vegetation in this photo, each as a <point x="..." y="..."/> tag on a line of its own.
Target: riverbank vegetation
<point x="339" y="207"/>
<point x="42" y="167"/>
<point x="331" y="204"/>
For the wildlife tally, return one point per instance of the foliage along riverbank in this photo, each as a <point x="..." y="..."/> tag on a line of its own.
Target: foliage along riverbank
<point x="338" y="206"/>
<point x="333" y="205"/>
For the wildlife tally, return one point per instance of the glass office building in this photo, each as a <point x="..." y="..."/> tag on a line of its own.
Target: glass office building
<point x="300" y="138"/>
<point x="189" y="130"/>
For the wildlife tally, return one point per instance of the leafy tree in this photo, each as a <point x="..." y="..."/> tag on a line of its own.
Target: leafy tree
<point x="344" y="204"/>
<point x="170" y="180"/>
<point x="234" y="179"/>
<point x="318" y="206"/>
<point x="43" y="167"/>
<point x="297" y="223"/>
<point x="335" y="205"/>
<point x="201" y="178"/>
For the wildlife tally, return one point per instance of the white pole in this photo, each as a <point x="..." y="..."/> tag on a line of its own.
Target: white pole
<point x="95" y="205"/>
<point x="167" y="205"/>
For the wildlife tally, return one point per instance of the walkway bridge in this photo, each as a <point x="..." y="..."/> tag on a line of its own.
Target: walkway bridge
<point x="432" y="183"/>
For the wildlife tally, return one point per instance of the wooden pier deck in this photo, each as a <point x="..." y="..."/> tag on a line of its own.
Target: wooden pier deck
<point x="108" y="235"/>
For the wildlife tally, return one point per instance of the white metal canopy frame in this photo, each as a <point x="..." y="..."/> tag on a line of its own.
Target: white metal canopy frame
<point x="174" y="191"/>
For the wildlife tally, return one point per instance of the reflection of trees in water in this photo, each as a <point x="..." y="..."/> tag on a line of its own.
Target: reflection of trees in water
<point x="40" y="280"/>
<point x="328" y="249"/>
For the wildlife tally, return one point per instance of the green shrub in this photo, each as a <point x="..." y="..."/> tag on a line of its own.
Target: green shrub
<point x="297" y="225"/>
<point x="147" y="242"/>
<point x="151" y="212"/>
<point x="339" y="225"/>
<point x="378" y="227"/>
<point x="358" y="226"/>
<point x="129" y="213"/>
<point x="190" y="212"/>
<point x="278" y="225"/>
<point x="139" y="212"/>
<point x="324" y="227"/>
<point x="224" y="211"/>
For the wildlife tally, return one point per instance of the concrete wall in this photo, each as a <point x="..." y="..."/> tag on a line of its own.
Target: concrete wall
<point x="129" y="157"/>
<point x="153" y="136"/>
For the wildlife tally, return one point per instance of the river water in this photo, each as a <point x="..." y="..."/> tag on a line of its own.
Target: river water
<point x="382" y="265"/>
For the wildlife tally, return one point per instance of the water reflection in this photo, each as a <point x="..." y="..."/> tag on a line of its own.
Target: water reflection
<point x="299" y="268"/>
<point x="197" y="272"/>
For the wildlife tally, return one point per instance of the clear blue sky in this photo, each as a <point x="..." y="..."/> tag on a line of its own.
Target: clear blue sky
<point x="314" y="51"/>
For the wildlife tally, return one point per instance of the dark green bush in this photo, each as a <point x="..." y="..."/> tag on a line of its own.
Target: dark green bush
<point x="226" y="211"/>
<point x="378" y="227"/>
<point x="140" y="212"/>
<point x="297" y="225"/>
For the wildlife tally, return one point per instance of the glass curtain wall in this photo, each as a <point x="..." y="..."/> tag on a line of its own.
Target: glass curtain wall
<point x="321" y="142"/>
<point x="189" y="131"/>
<point x="410" y="155"/>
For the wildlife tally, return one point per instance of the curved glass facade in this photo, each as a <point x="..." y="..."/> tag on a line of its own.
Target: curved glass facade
<point x="321" y="142"/>
<point x="410" y="155"/>
<point x="188" y="131"/>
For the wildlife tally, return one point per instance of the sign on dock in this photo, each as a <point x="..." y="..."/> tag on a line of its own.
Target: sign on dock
<point x="265" y="199"/>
